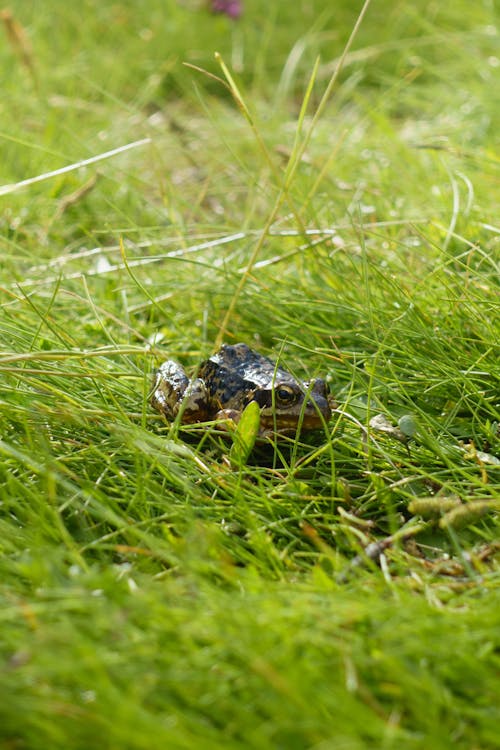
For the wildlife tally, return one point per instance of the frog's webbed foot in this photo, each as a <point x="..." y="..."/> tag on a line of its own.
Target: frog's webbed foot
<point x="174" y="393"/>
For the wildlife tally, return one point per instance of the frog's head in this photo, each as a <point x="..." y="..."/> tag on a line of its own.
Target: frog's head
<point x="287" y="404"/>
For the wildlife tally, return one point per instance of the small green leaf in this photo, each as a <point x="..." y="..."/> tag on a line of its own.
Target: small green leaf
<point x="245" y="435"/>
<point x="408" y="425"/>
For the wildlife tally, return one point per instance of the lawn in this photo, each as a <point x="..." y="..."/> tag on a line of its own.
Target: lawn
<point x="322" y="182"/>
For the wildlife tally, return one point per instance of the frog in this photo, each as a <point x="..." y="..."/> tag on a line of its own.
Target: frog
<point x="229" y="380"/>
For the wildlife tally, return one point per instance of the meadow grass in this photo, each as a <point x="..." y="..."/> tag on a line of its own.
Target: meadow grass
<point x="337" y="590"/>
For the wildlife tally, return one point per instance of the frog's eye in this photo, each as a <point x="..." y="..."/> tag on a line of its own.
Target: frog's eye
<point x="285" y="394"/>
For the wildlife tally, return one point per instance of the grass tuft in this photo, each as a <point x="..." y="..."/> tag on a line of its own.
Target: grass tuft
<point x="328" y="193"/>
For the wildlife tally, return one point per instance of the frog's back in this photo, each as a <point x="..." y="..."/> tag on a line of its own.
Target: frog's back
<point x="234" y="372"/>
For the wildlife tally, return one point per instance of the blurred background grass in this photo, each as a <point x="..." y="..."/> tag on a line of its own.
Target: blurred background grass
<point x="150" y="596"/>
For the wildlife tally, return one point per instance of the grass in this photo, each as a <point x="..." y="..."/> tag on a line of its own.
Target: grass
<point x="335" y="591"/>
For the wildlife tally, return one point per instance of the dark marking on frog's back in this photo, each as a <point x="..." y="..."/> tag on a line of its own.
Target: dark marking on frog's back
<point x="235" y="372"/>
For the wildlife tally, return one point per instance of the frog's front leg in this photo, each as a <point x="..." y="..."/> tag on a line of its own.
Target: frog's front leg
<point x="223" y="415"/>
<point x="174" y="393"/>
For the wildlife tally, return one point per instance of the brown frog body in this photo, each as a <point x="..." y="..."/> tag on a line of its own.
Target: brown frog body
<point x="229" y="380"/>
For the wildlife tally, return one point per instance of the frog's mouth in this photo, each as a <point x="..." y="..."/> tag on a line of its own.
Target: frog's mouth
<point x="280" y="422"/>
